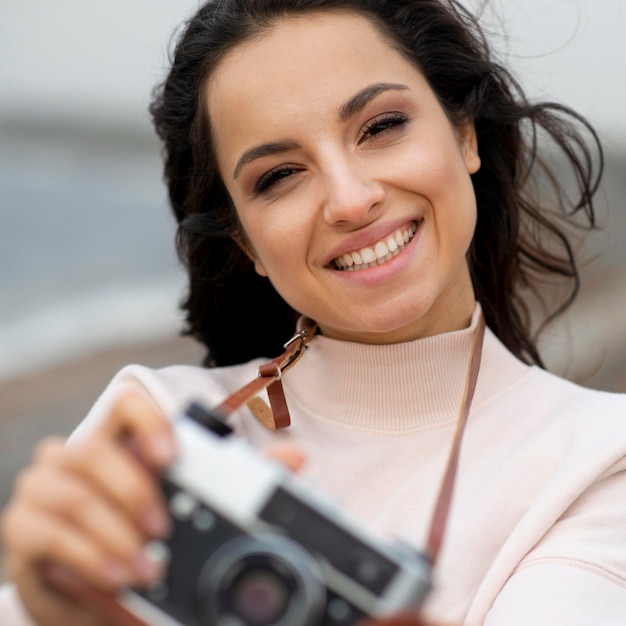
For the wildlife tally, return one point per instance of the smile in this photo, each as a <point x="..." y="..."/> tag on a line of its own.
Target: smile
<point x="376" y="254"/>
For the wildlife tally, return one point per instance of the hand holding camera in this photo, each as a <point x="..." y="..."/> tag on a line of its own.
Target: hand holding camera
<point x="253" y="545"/>
<point x="250" y="543"/>
<point x="90" y="506"/>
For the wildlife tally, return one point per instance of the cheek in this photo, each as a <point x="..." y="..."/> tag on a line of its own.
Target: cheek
<point x="281" y="256"/>
<point x="457" y="224"/>
<point x="277" y="244"/>
<point x="439" y="175"/>
<point x="281" y="231"/>
<point x="442" y="178"/>
<point x="429" y="164"/>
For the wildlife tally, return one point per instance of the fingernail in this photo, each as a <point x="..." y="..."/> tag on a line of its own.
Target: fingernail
<point x="164" y="448"/>
<point x="156" y="521"/>
<point x="148" y="568"/>
<point x="117" y="573"/>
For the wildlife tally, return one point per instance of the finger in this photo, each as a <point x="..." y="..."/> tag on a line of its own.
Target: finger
<point x="58" y="493"/>
<point x="75" y="501"/>
<point x="290" y="456"/>
<point x="48" y="452"/>
<point x="111" y="472"/>
<point x="47" y="606"/>
<point x="67" y="583"/>
<point x="135" y="418"/>
<point x="34" y="537"/>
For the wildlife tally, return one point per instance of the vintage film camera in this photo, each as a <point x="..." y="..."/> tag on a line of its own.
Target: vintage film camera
<point x="253" y="545"/>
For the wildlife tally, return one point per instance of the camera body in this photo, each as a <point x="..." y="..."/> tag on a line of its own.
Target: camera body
<point x="254" y="545"/>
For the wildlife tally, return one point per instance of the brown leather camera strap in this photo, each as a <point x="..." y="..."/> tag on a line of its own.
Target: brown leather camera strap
<point x="278" y="416"/>
<point x="444" y="499"/>
<point x="268" y="377"/>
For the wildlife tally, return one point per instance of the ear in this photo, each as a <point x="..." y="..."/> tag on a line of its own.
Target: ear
<point x="469" y="147"/>
<point x="247" y="249"/>
<point x="258" y="267"/>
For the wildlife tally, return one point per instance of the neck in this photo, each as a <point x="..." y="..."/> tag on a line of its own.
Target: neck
<point x="400" y="386"/>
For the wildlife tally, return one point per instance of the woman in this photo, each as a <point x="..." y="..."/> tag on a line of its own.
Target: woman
<point x="366" y="165"/>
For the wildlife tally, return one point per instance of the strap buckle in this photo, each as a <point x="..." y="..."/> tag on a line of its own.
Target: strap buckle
<point x="298" y="336"/>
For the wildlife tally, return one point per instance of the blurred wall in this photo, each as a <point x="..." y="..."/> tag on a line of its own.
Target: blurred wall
<point x="89" y="60"/>
<point x="85" y="61"/>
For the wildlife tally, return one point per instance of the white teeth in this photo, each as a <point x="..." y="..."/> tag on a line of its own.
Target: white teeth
<point x="381" y="252"/>
<point x="368" y="255"/>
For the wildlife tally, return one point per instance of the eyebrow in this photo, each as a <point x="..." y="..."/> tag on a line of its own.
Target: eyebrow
<point x="266" y="149"/>
<point x="357" y="103"/>
<point x="361" y="99"/>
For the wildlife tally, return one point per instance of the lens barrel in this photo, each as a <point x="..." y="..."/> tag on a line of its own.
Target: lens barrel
<point x="261" y="581"/>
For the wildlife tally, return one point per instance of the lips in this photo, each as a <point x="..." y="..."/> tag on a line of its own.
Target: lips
<point x="378" y="253"/>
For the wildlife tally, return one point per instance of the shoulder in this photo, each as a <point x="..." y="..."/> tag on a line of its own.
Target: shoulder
<point x="551" y="432"/>
<point x="553" y="394"/>
<point x="545" y="395"/>
<point x="579" y="422"/>
<point x="570" y="439"/>
<point x="172" y="388"/>
<point x="541" y="402"/>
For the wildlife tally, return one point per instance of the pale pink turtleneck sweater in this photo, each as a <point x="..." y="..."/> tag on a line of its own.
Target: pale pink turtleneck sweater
<point x="537" y="532"/>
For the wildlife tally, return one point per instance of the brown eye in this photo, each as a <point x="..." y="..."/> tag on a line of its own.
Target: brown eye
<point x="274" y="176"/>
<point x="382" y="124"/>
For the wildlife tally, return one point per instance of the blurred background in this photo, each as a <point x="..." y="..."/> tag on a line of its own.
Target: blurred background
<point x="88" y="276"/>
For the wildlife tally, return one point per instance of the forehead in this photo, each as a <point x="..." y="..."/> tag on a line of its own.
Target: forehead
<point x="302" y="59"/>
<point x="291" y="81"/>
<point x="301" y="39"/>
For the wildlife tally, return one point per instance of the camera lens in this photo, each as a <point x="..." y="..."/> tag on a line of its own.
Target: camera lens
<point x="268" y="581"/>
<point x="259" y="594"/>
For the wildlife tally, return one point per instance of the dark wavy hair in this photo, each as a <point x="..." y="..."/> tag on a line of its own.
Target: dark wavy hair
<point x="519" y="240"/>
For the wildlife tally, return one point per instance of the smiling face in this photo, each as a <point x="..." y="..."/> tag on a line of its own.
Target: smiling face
<point x="350" y="183"/>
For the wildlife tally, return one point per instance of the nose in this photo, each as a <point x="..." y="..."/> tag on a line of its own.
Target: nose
<point x="351" y="192"/>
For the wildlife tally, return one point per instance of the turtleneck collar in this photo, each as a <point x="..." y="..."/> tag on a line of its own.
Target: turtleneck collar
<point x="396" y="387"/>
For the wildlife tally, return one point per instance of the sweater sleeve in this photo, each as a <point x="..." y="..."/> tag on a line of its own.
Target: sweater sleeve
<point x="576" y="574"/>
<point x="556" y="593"/>
<point x="11" y="611"/>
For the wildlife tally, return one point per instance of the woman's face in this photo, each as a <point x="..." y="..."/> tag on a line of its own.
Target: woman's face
<point x="351" y="185"/>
